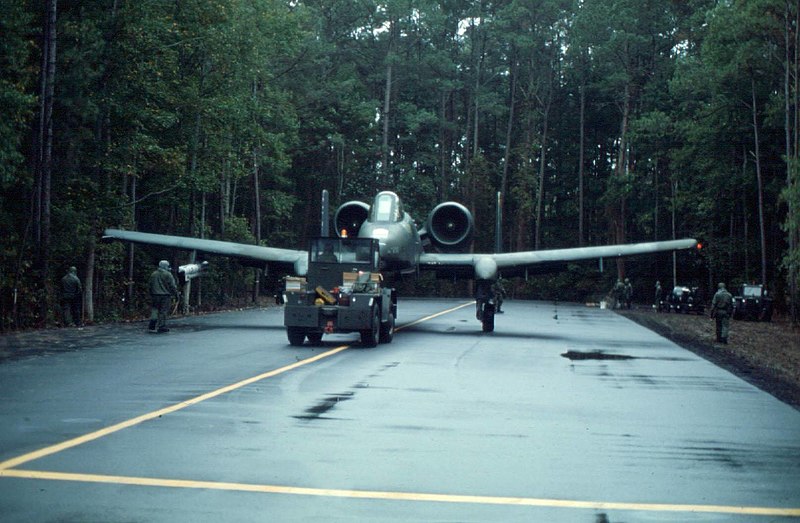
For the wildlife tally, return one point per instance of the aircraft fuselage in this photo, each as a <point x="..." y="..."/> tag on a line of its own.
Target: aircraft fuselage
<point x="396" y="232"/>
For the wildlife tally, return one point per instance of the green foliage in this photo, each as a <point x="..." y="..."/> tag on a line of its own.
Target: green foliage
<point x="168" y="113"/>
<point x="791" y="197"/>
<point x="16" y="88"/>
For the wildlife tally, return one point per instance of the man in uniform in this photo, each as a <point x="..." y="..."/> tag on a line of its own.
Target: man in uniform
<point x="71" y="291"/>
<point x="619" y="294"/>
<point x="162" y="289"/>
<point x="658" y="294"/>
<point x="628" y="293"/>
<point x="499" y="295"/>
<point x="721" y="309"/>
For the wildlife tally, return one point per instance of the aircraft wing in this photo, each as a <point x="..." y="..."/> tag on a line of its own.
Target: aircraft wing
<point x="489" y="266"/>
<point x="295" y="262"/>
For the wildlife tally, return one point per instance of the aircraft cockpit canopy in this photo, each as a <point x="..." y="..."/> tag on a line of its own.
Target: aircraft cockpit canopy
<point x="387" y="208"/>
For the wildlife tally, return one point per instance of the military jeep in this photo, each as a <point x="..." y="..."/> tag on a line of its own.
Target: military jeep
<point x="688" y="300"/>
<point x="752" y="302"/>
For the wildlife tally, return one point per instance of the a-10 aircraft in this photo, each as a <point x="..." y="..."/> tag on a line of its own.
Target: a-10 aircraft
<point x="405" y="249"/>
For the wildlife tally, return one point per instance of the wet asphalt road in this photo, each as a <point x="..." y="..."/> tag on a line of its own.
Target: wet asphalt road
<point x="565" y="413"/>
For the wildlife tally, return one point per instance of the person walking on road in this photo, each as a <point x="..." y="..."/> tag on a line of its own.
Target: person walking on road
<point x="162" y="289"/>
<point x="628" y="292"/>
<point x="71" y="294"/>
<point x="721" y="309"/>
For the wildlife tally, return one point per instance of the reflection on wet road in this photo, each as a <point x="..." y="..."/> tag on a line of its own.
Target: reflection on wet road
<point x="563" y="414"/>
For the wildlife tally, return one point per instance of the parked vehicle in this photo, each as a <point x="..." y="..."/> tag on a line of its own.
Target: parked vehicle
<point x="343" y="292"/>
<point x="688" y="300"/>
<point x="752" y="302"/>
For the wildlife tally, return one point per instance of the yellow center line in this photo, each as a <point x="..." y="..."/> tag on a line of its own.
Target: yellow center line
<point x="53" y="449"/>
<point x="432" y="316"/>
<point x="401" y="496"/>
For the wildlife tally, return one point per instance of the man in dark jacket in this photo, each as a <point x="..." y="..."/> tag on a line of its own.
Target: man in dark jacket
<point x="499" y="295"/>
<point x="628" y="293"/>
<point x="71" y="291"/>
<point x="721" y="310"/>
<point x="162" y="289"/>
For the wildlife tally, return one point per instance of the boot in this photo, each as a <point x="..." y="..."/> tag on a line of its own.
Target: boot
<point x="152" y="325"/>
<point x="162" y="330"/>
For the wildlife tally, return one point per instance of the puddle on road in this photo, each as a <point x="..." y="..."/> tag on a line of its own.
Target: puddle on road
<point x="330" y="401"/>
<point x="324" y="406"/>
<point x="574" y="355"/>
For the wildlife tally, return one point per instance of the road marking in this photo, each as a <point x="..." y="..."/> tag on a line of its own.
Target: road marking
<point x="53" y="449"/>
<point x="7" y="469"/>
<point x="432" y="316"/>
<point x="401" y="496"/>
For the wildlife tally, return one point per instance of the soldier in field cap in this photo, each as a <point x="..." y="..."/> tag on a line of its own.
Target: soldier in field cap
<point x="71" y="303"/>
<point x="721" y="309"/>
<point x="162" y="289"/>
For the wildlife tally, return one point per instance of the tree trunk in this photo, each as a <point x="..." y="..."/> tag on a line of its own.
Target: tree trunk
<point x="88" y="282"/>
<point x="257" y="212"/>
<point x="540" y="183"/>
<point x="655" y="203"/>
<point x="256" y="200"/>
<point x="199" y="292"/>
<point x="791" y="159"/>
<point x="618" y="212"/>
<point x="444" y="148"/>
<point x="745" y="226"/>
<point x="44" y="155"/>
<point x="507" y="152"/>
<point x="581" y="162"/>
<point x="224" y="196"/>
<point x="472" y="103"/>
<point x="257" y="206"/>
<point x="476" y="98"/>
<point x="761" y="227"/>
<point x="387" y="105"/>
<point x="130" y="286"/>
<point x="674" y="232"/>
<point x="193" y="227"/>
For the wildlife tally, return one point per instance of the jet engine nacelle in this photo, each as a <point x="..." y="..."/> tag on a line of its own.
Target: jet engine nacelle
<point x="349" y="217"/>
<point x="450" y="226"/>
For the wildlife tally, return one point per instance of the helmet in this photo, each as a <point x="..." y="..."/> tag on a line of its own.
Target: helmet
<point x="163" y="264"/>
<point x="721" y="286"/>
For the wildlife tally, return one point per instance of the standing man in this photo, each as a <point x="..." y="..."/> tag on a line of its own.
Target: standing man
<point x="162" y="289"/>
<point x="499" y="295"/>
<point x="657" y="300"/>
<point x="628" y="293"/>
<point x="71" y="294"/>
<point x="619" y="294"/>
<point x="721" y="308"/>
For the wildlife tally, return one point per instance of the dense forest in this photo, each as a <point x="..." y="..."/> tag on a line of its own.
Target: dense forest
<point x="603" y="121"/>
